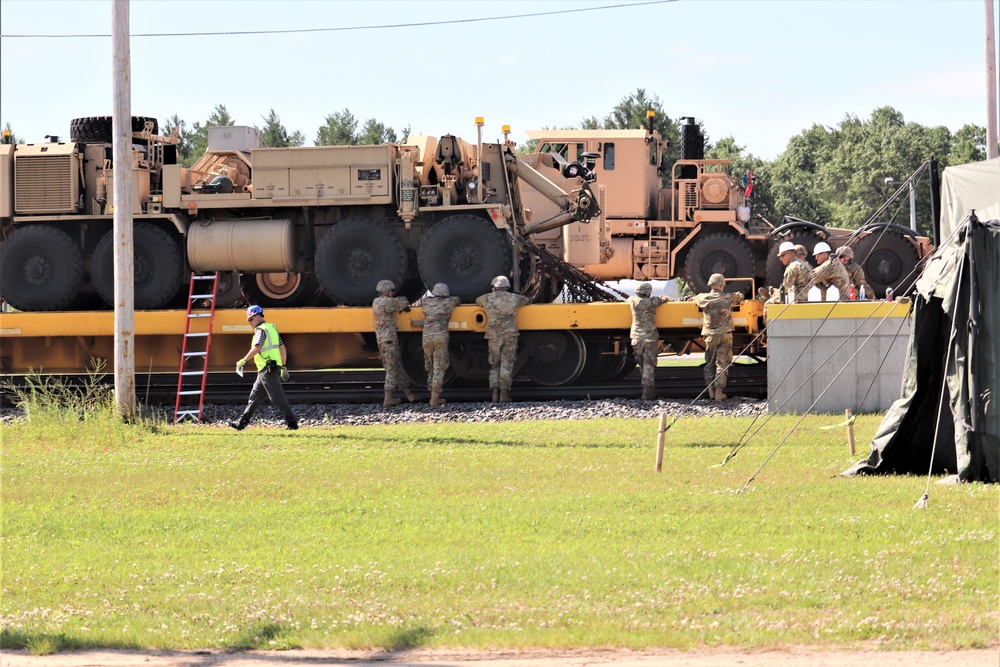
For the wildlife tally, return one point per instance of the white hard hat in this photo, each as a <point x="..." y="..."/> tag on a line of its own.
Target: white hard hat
<point x="786" y="246"/>
<point x="822" y="246"/>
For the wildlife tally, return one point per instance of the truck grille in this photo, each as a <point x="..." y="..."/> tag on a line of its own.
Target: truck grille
<point x="44" y="184"/>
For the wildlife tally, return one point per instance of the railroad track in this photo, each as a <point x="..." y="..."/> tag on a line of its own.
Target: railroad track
<point x="366" y="386"/>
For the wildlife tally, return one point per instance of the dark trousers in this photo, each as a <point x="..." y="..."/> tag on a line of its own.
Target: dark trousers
<point x="268" y="383"/>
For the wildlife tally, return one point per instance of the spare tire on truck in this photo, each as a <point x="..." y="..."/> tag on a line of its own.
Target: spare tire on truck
<point x="98" y="129"/>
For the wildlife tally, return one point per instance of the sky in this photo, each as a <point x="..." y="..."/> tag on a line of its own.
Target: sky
<point x="761" y="72"/>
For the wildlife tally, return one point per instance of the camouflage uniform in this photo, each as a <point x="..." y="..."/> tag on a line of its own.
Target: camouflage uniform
<point x="437" y="313"/>
<point x="501" y="332"/>
<point x="384" y="309"/>
<point x="857" y="277"/>
<point x="832" y="272"/>
<point x="644" y="336"/>
<point x="798" y="276"/>
<point x="717" y="330"/>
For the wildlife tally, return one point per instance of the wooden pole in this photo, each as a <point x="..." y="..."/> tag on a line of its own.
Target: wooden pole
<point x="850" y="430"/>
<point x="659" y="441"/>
<point x="121" y="126"/>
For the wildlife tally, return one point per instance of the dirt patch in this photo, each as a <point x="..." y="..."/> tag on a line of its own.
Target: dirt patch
<point x="794" y="657"/>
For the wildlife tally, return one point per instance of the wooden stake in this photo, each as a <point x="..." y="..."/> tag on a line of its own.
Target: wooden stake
<point x="850" y="430"/>
<point x="659" y="441"/>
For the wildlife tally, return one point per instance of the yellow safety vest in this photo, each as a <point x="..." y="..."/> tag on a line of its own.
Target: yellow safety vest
<point x="270" y="349"/>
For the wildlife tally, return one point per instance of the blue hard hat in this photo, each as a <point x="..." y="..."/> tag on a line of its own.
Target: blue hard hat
<point x="254" y="310"/>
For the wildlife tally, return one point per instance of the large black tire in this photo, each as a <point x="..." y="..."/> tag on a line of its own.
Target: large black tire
<point x="889" y="260"/>
<point x="719" y="253"/>
<point x="775" y="269"/>
<point x="157" y="267"/>
<point x="354" y="255"/>
<point x="40" y="268"/>
<point x="466" y="252"/>
<point x="280" y="290"/>
<point x="97" y="129"/>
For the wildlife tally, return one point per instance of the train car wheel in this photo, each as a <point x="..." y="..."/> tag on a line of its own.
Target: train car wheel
<point x="157" y="267"/>
<point x="775" y="269"/>
<point x="465" y="252"/>
<point x="354" y="255"/>
<point x="718" y="253"/>
<point x="889" y="260"/>
<point x="40" y="268"/>
<point x="279" y="290"/>
<point x="553" y="358"/>
<point x="411" y="348"/>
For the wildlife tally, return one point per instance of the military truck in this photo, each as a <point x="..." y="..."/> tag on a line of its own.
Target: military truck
<point x="295" y="225"/>
<point x="700" y="223"/>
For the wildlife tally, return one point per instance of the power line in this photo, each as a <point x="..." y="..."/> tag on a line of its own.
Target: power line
<point x="386" y="26"/>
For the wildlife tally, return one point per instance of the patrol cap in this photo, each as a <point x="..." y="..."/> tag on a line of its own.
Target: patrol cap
<point x="716" y="279"/>
<point x="643" y="289"/>
<point x="822" y="246"/>
<point x="440" y="289"/>
<point x="385" y="286"/>
<point x="786" y="246"/>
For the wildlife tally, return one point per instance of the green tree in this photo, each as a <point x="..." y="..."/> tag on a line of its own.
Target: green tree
<point x="274" y="134"/>
<point x="185" y="149"/>
<point x="968" y="145"/>
<point x="375" y="132"/>
<point x="339" y="129"/>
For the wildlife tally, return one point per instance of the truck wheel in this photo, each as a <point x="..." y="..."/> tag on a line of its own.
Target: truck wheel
<point x="279" y="290"/>
<point x="40" y="268"/>
<point x="718" y="253"/>
<point x="889" y="260"/>
<point x="156" y="263"/>
<point x="466" y="252"/>
<point x="775" y="269"/>
<point x="354" y="255"/>
<point x="97" y="129"/>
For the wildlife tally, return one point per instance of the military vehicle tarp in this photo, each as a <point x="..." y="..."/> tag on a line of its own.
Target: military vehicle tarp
<point x="951" y="385"/>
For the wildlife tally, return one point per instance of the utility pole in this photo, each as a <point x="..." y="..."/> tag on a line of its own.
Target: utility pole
<point x="991" y="83"/>
<point x="121" y="125"/>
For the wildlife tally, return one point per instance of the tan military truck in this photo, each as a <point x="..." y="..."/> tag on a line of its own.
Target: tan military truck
<point x="701" y="223"/>
<point x="296" y="224"/>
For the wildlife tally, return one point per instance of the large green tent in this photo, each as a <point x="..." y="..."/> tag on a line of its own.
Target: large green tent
<point x="947" y="419"/>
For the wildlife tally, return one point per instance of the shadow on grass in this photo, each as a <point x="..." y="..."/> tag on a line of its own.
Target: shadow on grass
<point x="408" y="638"/>
<point x="263" y="636"/>
<point x="41" y="643"/>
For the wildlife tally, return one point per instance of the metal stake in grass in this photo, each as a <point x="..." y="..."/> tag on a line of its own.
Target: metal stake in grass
<point x="664" y="427"/>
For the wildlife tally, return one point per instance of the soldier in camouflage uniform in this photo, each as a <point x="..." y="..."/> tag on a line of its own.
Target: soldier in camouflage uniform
<point x="645" y="338"/>
<point x="829" y="272"/>
<point x="717" y="330"/>
<point x="437" y="312"/>
<point x="854" y="271"/>
<point x="384" y="310"/>
<point x="501" y="332"/>
<point x="798" y="275"/>
<point x="801" y="252"/>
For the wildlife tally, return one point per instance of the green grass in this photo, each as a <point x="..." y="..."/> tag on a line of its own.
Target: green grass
<point x="549" y="534"/>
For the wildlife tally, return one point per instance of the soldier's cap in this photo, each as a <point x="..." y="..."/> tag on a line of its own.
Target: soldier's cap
<point x="786" y="246"/>
<point x="716" y="279"/>
<point x="845" y="251"/>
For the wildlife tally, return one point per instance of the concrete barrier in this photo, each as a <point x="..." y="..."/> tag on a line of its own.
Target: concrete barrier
<point x="867" y="341"/>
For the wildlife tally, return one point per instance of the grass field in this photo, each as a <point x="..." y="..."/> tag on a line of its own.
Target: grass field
<point x="528" y="534"/>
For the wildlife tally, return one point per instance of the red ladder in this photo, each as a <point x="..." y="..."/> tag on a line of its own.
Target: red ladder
<point x="195" y="331"/>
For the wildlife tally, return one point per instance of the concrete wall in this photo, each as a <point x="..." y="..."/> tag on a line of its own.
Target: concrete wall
<point x="801" y="339"/>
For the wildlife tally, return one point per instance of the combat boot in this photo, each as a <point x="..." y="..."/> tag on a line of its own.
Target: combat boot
<point x="390" y="401"/>
<point x="504" y="396"/>
<point x="239" y="425"/>
<point x="436" y="399"/>
<point x="496" y="395"/>
<point x="648" y="393"/>
<point x="719" y="396"/>
<point x="409" y="395"/>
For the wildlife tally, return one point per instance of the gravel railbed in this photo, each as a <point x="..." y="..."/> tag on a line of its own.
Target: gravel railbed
<point x="359" y="414"/>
